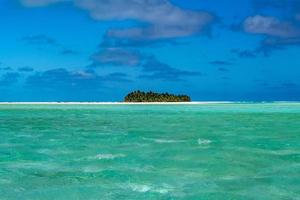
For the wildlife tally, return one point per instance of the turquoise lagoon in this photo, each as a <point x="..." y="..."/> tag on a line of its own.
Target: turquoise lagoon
<point x="217" y="151"/>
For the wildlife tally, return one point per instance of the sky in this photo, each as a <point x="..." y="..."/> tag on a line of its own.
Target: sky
<point x="100" y="50"/>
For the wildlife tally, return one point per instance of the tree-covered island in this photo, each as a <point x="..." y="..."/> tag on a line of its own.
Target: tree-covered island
<point x="140" y="96"/>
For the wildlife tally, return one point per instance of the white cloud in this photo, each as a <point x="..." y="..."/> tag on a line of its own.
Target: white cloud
<point x="165" y="19"/>
<point x="116" y="56"/>
<point x="39" y="3"/>
<point x="162" y="18"/>
<point x="270" y="26"/>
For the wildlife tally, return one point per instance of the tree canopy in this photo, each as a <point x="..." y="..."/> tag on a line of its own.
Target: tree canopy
<point x="140" y="96"/>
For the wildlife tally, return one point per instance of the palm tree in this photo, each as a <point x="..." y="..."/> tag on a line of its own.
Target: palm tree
<point x="140" y="96"/>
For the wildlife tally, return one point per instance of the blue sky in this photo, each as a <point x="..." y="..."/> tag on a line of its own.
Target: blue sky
<point x="99" y="50"/>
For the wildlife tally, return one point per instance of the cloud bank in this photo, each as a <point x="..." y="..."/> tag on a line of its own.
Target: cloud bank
<point x="161" y="18"/>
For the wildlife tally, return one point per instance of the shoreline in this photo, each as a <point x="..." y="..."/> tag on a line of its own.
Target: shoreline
<point x="117" y="103"/>
<point x="143" y="103"/>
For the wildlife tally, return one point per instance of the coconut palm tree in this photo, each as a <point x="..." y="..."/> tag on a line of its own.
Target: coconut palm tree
<point x="140" y="96"/>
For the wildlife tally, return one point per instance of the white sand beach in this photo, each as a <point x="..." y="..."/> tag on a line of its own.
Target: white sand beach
<point x="115" y="103"/>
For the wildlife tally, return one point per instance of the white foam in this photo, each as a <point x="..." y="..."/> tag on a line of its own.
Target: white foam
<point x="203" y="141"/>
<point x="143" y="188"/>
<point x="285" y="152"/>
<point x="156" y="140"/>
<point x="108" y="156"/>
<point x="35" y="165"/>
<point x="45" y="151"/>
<point x="140" y="188"/>
<point x="5" y="181"/>
<point x="28" y="135"/>
<point x="166" y="141"/>
<point x="91" y="169"/>
<point x="162" y="190"/>
<point x="8" y="145"/>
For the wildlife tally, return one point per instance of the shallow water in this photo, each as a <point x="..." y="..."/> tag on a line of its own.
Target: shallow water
<point x="224" y="151"/>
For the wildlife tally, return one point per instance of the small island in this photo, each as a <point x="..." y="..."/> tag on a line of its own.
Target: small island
<point x="140" y="96"/>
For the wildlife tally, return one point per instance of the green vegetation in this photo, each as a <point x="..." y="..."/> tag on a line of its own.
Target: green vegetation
<point x="139" y="96"/>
